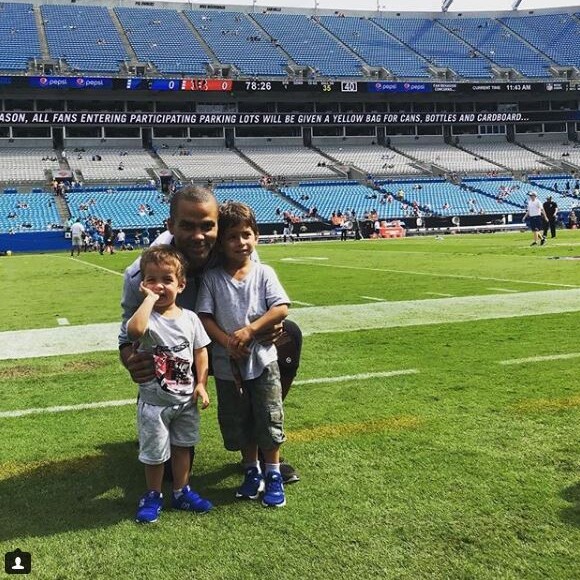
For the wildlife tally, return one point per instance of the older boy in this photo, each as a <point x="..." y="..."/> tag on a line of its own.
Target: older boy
<point x="239" y="299"/>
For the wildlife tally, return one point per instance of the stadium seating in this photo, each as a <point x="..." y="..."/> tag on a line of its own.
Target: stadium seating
<point x="506" y="154"/>
<point x="289" y="161"/>
<point x="237" y="40"/>
<point x="309" y="44"/>
<point x="557" y="187"/>
<point x="26" y="164"/>
<point x="121" y="205"/>
<point x="448" y="157"/>
<point x="376" y="47"/>
<point x="556" y="149"/>
<point x="515" y="197"/>
<point x="202" y="163"/>
<point x="84" y="36"/>
<point x="556" y="35"/>
<point x="267" y="206"/>
<point x="438" y="197"/>
<point x="373" y="159"/>
<point x="134" y="163"/>
<point x="337" y="197"/>
<point x="499" y="44"/>
<point x="164" y="39"/>
<point x="31" y="211"/>
<point x="437" y="45"/>
<point x="18" y="36"/>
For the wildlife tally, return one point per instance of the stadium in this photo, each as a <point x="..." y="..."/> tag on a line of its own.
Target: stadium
<point x="434" y="420"/>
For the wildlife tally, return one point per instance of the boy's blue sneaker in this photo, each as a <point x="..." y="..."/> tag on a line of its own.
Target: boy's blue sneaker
<point x="191" y="502"/>
<point x="149" y="507"/>
<point x="274" y="494"/>
<point x="252" y="485"/>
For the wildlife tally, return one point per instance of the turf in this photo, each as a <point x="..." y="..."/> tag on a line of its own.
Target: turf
<point x="466" y="469"/>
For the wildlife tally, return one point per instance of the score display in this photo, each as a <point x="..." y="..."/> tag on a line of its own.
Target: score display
<point x="261" y="86"/>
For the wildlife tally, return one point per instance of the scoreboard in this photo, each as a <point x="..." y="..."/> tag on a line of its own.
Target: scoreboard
<point x="282" y="86"/>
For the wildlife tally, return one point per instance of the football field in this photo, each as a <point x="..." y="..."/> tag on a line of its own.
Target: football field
<point x="434" y="420"/>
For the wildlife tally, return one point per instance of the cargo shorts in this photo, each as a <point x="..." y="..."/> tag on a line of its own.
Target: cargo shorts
<point x="254" y="415"/>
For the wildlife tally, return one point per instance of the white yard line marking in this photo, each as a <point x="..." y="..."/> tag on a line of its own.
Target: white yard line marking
<point x="63" y="321"/>
<point x="316" y="320"/>
<point x="63" y="408"/>
<point x="432" y="274"/>
<point x="77" y="261"/>
<point x="521" y="361"/>
<point x="373" y="298"/>
<point x="125" y="402"/>
<point x="502" y="290"/>
<point x="439" y="294"/>
<point x="360" y="377"/>
<point x="301" y="303"/>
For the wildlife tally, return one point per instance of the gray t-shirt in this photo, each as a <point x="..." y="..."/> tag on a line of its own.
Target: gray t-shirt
<point x="171" y="341"/>
<point x="235" y="304"/>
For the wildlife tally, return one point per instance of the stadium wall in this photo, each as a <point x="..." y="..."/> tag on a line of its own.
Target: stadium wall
<point x="34" y="242"/>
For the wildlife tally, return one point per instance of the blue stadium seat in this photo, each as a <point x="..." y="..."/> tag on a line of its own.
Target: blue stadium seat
<point x="237" y="40"/>
<point x="84" y="36"/>
<point x="161" y="37"/>
<point x="499" y="44"/>
<point x="556" y="35"/>
<point x="18" y="36"/>
<point x="309" y="44"/>
<point x="375" y="46"/>
<point x="30" y="211"/>
<point x="437" y="45"/>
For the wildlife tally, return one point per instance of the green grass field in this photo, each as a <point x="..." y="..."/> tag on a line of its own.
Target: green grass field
<point x="463" y="463"/>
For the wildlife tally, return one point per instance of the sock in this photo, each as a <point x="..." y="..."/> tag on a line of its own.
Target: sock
<point x="272" y="467"/>
<point x="177" y="493"/>
<point x="255" y="464"/>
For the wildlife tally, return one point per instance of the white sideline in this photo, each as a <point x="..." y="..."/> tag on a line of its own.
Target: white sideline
<point x="431" y="274"/>
<point x="125" y="402"/>
<point x="317" y="319"/>
<point x="521" y="361"/>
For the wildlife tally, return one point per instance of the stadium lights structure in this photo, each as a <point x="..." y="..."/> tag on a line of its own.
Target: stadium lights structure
<point x="516" y="4"/>
<point x="445" y="5"/>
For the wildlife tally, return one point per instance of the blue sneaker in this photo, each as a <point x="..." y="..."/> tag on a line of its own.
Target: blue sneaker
<point x="252" y="485"/>
<point x="191" y="502"/>
<point x="274" y="494"/>
<point x="149" y="507"/>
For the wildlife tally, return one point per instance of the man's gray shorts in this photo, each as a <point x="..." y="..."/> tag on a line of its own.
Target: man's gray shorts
<point x="162" y="426"/>
<point x="256" y="415"/>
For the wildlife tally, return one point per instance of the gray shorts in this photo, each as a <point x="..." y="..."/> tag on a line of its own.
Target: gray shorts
<point x="77" y="241"/>
<point x="256" y="415"/>
<point x="162" y="426"/>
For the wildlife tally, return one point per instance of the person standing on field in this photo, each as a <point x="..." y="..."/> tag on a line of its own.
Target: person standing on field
<point x="551" y="211"/>
<point x="537" y="216"/>
<point x="77" y="231"/>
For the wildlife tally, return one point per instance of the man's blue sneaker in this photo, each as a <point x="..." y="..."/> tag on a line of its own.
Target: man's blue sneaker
<point x="191" y="502"/>
<point x="149" y="507"/>
<point x="274" y="494"/>
<point x="252" y="485"/>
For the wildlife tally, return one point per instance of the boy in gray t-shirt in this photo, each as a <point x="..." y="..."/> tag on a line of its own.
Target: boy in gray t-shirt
<point x="237" y="300"/>
<point x="167" y="415"/>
